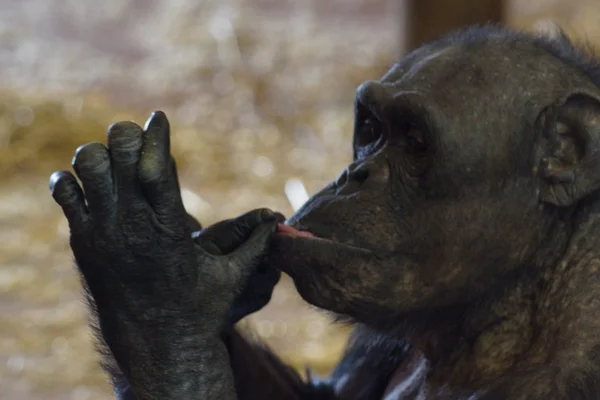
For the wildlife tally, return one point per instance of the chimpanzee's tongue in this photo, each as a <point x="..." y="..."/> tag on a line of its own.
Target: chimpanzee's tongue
<point x="288" y="230"/>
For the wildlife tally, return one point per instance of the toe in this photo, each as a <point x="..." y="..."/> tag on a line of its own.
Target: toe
<point x="69" y="196"/>
<point x="92" y="165"/>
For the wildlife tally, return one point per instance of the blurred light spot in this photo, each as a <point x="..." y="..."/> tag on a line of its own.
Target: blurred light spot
<point x="220" y="27"/>
<point x="250" y="120"/>
<point x="299" y="156"/>
<point x="269" y="135"/>
<point x="15" y="363"/>
<point x="313" y="351"/>
<point x="332" y="133"/>
<point x="222" y="121"/>
<point x="263" y="60"/>
<point x="243" y="99"/>
<point x="22" y="386"/>
<point x="223" y="82"/>
<point x="315" y="329"/>
<point x="81" y="393"/>
<point x="296" y="193"/>
<point x="60" y="345"/>
<point x="193" y="203"/>
<point x="262" y="166"/>
<point x="23" y="116"/>
<point x="280" y="330"/>
<point x="265" y="329"/>
<point x="73" y="106"/>
<point x="11" y="279"/>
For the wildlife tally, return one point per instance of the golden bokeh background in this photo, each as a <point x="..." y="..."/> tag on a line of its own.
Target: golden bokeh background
<point x="259" y="92"/>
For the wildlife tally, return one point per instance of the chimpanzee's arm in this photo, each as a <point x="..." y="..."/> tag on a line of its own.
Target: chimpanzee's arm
<point x="258" y="374"/>
<point x="363" y="373"/>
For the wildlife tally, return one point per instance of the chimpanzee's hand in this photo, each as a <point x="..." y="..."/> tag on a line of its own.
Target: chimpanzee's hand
<point x="132" y="241"/>
<point x="259" y="287"/>
<point x="256" y="293"/>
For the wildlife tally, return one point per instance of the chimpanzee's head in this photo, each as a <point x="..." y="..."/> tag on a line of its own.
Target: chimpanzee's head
<point x="468" y="155"/>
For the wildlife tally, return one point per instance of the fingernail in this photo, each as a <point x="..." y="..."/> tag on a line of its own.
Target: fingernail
<point x="74" y="159"/>
<point x="74" y="165"/>
<point x="149" y="121"/>
<point x="54" y="178"/>
<point x="267" y="215"/>
<point x="152" y="119"/>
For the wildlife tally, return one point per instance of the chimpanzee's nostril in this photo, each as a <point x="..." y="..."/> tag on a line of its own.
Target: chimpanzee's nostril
<point x="351" y="179"/>
<point x="360" y="175"/>
<point x="342" y="179"/>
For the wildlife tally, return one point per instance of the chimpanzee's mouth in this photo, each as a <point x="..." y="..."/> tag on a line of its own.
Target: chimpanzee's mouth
<point x="287" y="230"/>
<point x="291" y="231"/>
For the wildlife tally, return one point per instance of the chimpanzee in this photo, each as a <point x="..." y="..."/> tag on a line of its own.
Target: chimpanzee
<point x="463" y="241"/>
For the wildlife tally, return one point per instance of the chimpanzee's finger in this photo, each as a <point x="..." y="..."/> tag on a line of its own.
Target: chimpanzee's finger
<point x="253" y="251"/>
<point x="69" y="196"/>
<point x="157" y="171"/>
<point x="175" y="174"/>
<point x="228" y="235"/>
<point x="125" y="140"/>
<point x="92" y="165"/>
<point x="256" y="293"/>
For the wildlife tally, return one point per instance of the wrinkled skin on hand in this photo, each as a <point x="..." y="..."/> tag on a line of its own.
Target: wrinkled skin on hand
<point x="144" y="268"/>
<point x="221" y="238"/>
<point x="258" y="288"/>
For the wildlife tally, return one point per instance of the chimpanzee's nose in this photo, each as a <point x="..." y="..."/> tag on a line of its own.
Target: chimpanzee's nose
<point x="360" y="173"/>
<point x="357" y="174"/>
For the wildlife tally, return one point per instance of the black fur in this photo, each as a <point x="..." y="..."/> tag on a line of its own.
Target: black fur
<point x="462" y="240"/>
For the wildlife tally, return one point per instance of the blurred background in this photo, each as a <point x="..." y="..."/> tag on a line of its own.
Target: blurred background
<point x="259" y="93"/>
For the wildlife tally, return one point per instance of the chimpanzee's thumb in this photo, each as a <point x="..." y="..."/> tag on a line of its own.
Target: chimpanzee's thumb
<point x="253" y="251"/>
<point x="227" y="236"/>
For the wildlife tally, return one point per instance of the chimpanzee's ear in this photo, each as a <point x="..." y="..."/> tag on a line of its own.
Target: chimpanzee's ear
<point x="569" y="163"/>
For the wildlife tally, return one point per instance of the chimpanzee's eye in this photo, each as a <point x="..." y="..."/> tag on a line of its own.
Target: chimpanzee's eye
<point x="368" y="129"/>
<point x="415" y="138"/>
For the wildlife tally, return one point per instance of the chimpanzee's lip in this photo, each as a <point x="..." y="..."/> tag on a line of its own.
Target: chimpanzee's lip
<point x="296" y="231"/>
<point x="299" y="231"/>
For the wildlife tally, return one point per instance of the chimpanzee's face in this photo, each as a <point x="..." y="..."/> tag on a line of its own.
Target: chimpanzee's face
<point x="442" y="199"/>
